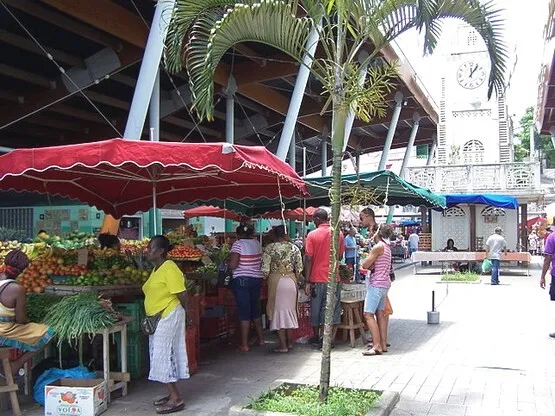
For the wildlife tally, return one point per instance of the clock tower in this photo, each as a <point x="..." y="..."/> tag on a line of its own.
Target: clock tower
<point x="471" y="128"/>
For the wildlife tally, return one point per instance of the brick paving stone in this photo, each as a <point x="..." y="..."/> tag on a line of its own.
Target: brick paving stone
<point x="467" y="365"/>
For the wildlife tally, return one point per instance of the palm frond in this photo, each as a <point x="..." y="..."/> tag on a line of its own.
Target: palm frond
<point x="184" y="15"/>
<point x="270" y="22"/>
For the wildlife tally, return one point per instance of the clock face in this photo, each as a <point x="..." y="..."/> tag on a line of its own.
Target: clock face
<point x="471" y="75"/>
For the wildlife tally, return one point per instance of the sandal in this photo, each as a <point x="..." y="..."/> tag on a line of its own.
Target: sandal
<point x="162" y="401"/>
<point x="243" y="348"/>
<point x="278" y="350"/>
<point x="170" y="409"/>
<point x="258" y="343"/>
<point x="371" y="352"/>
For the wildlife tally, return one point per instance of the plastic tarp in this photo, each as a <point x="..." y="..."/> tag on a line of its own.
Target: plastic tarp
<point x="499" y="201"/>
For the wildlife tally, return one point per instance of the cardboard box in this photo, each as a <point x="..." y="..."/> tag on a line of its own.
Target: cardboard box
<point x="75" y="397"/>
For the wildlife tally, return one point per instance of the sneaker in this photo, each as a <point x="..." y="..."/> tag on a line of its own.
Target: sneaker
<point x="552" y="335"/>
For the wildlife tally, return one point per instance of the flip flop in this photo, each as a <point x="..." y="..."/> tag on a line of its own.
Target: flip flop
<point x="371" y="352"/>
<point x="277" y="350"/>
<point x="243" y="348"/>
<point x="257" y="343"/>
<point x="170" y="409"/>
<point x="162" y="401"/>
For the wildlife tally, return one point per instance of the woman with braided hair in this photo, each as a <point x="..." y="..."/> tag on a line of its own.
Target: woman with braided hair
<point x="15" y="329"/>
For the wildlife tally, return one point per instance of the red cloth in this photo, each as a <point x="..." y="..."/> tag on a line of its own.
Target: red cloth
<point x="318" y="247"/>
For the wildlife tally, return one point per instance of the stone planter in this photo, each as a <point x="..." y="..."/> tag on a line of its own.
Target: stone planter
<point x="382" y="407"/>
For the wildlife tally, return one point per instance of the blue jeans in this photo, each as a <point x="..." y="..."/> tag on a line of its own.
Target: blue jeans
<point x="247" y="295"/>
<point x="495" y="271"/>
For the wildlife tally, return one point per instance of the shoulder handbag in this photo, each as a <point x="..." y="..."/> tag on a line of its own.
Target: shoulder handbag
<point x="391" y="271"/>
<point x="149" y="323"/>
<point x="225" y="274"/>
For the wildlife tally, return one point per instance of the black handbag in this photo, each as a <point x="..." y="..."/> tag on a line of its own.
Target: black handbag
<point x="225" y="274"/>
<point x="149" y="323"/>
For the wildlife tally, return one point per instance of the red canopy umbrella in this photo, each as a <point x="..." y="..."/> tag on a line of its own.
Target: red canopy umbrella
<point x="533" y="221"/>
<point x="210" y="211"/>
<point x="125" y="176"/>
<point x="296" y="214"/>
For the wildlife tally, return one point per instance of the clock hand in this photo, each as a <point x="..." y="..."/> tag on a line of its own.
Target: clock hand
<point x="474" y="70"/>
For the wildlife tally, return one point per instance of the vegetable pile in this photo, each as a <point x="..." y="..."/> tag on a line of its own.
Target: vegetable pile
<point x="77" y="315"/>
<point x="38" y="305"/>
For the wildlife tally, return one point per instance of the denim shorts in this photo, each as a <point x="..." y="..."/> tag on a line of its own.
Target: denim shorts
<point x="375" y="299"/>
<point x="247" y="295"/>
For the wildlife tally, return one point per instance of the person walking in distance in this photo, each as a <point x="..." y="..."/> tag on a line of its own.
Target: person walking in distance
<point x="414" y="239"/>
<point x="549" y="263"/>
<point x="317" y="268"/>
<point x="496" y="246"/>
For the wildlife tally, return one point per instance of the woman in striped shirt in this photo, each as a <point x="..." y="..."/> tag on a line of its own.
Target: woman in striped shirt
<point x="245" y="261"/>
<point x="378" y="283"/>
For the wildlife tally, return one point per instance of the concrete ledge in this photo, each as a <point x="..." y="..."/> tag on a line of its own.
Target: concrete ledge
<point x="382" y="407"/>
<point x="475" y="282"/>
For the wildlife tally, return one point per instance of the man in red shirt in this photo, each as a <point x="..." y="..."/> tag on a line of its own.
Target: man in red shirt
<point x="317" y="268"/>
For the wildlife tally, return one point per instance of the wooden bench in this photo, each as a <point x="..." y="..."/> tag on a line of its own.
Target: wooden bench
<point x="10" y="387"/>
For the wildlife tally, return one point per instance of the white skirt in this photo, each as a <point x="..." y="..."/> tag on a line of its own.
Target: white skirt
<point x="168" y="351"/>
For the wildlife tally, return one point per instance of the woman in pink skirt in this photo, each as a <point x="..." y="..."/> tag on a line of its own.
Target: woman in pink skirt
<point x="282" y="264"/>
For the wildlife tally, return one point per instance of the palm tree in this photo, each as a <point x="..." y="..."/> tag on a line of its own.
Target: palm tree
<point x="202" y="31"/>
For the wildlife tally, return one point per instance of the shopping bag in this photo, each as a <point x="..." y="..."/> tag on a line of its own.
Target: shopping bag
<point x="487" y="266"/>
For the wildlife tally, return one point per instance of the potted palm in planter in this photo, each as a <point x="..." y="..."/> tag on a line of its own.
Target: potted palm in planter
<point x="351" y="35"/>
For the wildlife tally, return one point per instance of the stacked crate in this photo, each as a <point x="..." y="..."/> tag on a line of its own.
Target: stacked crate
<point x="137" y="342"/>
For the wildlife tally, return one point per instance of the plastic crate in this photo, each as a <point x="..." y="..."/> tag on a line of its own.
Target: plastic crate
<point x="214" y="327"/>
<point x="135" y="310"/>
<point x="137" y="354"/>
<point x="194" y="310"/>
<point x="192" y="341"/>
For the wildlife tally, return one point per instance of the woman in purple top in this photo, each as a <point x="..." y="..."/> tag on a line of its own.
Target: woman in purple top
<point x="378" y="283"/>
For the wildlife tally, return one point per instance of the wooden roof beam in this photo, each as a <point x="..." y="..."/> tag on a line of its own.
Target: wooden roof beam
<point x="249" y="73"/>
<point x="31" y="78"/>
<point x="33" y="8"/>
<point x="107" y="16"/>
<point x="30" y="46"/>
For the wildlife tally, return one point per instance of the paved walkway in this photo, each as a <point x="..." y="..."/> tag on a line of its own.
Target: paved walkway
<point x="491" y="355"/>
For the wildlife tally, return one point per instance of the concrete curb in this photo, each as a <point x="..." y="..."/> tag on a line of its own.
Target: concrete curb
<point x="383" y="406"/>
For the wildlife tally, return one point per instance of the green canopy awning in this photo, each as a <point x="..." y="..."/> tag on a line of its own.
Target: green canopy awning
<point x="399" y="192"/>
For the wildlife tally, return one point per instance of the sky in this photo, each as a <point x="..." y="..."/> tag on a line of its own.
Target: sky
<point x="524" y="23"/>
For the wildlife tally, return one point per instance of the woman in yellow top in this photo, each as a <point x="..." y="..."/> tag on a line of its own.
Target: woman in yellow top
<point x="165" y="294"/>
<point x="15" y="329"/>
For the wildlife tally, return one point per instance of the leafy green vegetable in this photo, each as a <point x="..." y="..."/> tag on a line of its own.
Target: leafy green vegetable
<point x="80" y="314"/>
<point x="38" y="305"/>
<point x="460" y="277"/>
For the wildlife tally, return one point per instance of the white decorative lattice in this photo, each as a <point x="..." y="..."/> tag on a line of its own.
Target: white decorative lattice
<point x="455" y="211"/>
<point x="486" y="177"/>
<point x="424" y="177"/>
<point x="473" y="151"/>
<point x="455" y="227"/>
<point x="454" y="178"/>
<point x="471" y="114"/>
<point x="490" y="211"/>
<point x="520" y="176"/>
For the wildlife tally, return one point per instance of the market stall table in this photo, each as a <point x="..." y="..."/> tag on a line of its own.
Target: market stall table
<point x="114" y="380"/>
<point x="469" y="256"/>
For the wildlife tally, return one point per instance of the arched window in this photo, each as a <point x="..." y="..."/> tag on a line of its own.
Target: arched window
<point x="473" y="151"/>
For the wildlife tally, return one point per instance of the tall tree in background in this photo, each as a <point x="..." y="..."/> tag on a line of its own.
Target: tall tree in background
<point x="202" y="31"/>
<point x="542" y="142"/>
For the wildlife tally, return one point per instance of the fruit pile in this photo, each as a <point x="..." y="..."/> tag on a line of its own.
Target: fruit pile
<point x="133" y="246"/>
<point x="74" y="240"/>
<point x="36" y="277"/>
<point x="127" y="276"/>
<point x="106" y="259"/>
<point x="185" y="253"/>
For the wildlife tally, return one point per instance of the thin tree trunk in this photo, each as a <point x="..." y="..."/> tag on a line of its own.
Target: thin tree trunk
<point x="338" y="134"/>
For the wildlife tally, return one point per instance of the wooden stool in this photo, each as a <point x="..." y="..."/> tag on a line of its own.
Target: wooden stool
<point x="11" y="386"/>
<point x="351" y="321"/>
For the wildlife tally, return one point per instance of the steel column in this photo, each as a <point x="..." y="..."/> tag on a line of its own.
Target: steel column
<point x="149" y="68"/>
<point x="154" y="109"/>
<point x="293" y="154"/>
<point x="230" y="110"/>
<point x="298" y="93"/>
<point x="392" y="128"/>
<point x="351" y="116"/>
<point x="410" y="145"/>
